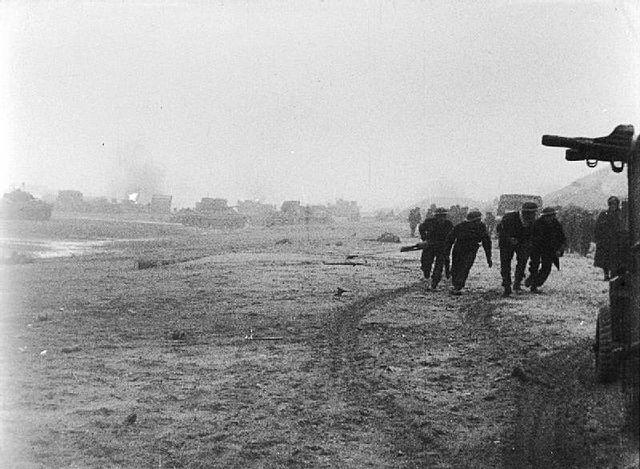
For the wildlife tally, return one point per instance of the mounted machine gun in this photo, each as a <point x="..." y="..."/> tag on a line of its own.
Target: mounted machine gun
<point x="617" y="341"/>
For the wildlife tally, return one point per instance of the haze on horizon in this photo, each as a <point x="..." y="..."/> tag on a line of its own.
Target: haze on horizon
<point x="385" y="102"/>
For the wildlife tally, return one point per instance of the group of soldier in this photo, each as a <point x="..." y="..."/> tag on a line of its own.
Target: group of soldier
<point x="533" y="237"/>
<point x="537" y="240"/>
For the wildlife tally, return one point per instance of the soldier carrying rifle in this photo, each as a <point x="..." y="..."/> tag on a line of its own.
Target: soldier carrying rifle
<point x="434" y="232"/>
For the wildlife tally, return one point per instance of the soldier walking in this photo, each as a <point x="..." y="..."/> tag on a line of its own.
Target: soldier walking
<point x="465" y="239"/>
<point x="607" y="230"/>
<point x="548" y="241"/>
<point x="514" y="237"/>
<point x="414" y="220"/>
<point x="434" y="231"/>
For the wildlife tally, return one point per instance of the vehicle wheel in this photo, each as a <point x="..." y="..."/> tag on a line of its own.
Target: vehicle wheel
<point x="606" y="360"/>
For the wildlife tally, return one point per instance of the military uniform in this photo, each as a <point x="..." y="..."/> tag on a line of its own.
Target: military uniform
<point x="515" y="232"/>
<point x="435" y="231"/>
<point x="607" y="231"/>
<point x="414" y="220"/>
<point x="548" y="241"/>
<point x="465" y="239"/>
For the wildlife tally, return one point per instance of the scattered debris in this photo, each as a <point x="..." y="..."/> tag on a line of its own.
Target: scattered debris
<point x="388" y="238"/>
<point x="351" y="263"/>
<point x="393" y="369"/>
<point x="283" y="241"/>
<point x="75" y="348"/>
<point x="522" y="375"/>
<point x="141" y="264"/>
<point x="252" y="337"/>
<point x="525" y="377"/>
<point x="131" y="419"/>
<point x="178" y="335"/>
<point x="43" y="316"/>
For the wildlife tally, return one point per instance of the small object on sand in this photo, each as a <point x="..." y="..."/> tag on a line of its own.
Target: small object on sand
<point x="75" y="348"/>
<point x="131" y="419"/>
<point x="283" y="241"/>
<point x="352" y="256"/>
<point x="351" y="263"/>
<point x="178" y="335"/>
<point x="43" y="353"/>
<point x="388" y="238"/>
<point x="43" y="316"/>
<point x="340" y="291"/>
<point x="263" y="338"/>
<point x="522" y="375"/>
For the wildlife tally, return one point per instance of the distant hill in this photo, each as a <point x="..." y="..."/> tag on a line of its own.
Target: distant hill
<point x="592" y="191"/>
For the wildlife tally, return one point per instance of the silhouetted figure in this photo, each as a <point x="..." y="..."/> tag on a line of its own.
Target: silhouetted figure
<point x="434" y="231"/>
<point x="608" y="227"/>
<point x="547" y="246"/>
<point x="414" y="220"/>
<point x="514" y="237"/>
<point x="465" y="238"/>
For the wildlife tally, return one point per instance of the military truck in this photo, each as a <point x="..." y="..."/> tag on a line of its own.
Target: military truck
<point x="22" y="205"/>
<point x="617" y="335"/>
<point x="513" y="202"/>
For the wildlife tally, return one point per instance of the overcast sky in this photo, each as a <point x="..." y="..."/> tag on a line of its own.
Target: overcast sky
<point x="385" y="102"/>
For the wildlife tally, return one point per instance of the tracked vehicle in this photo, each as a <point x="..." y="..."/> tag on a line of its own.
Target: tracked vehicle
<point x="22" y="205"/>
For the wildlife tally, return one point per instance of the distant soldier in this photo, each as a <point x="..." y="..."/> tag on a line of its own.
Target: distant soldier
<point x="608" y="226"/>
<point x="548" y="241"/>
<point x="431" y="211"/>
<point x="434" y="231"/>
<point x="465" y="239"/>
<point x="587" y="225"/>
<point x="490" y="221"/>
<point x="514" y="237"/>
<point x="414" y="220"/>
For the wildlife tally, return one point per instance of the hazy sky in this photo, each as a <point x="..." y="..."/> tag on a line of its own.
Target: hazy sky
<point x="386" y="102"/>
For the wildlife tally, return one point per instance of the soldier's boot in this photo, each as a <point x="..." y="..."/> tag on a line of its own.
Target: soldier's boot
<point x="507" y="291"/>
<point x="516" y="287"/>
<point x="456" y="291"/>
<point x="534" y="289"/>
<point x="527" y="282"/>
<point x="434" y="285"/>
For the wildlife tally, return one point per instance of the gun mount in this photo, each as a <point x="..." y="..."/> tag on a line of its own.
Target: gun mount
<point x="617" y="338"/>
<point x="614" y="148"/>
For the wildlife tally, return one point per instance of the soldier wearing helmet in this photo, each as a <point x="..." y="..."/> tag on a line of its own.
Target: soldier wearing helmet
<point x="548" y="240"/>
<point x="515" y="232"/>
<point x="608" y="227"/>
<point x="434" y="232"/>
<point x="465" y="239"/>
<point x="414" y="220"/>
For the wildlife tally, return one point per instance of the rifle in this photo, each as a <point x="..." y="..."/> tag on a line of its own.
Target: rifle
<point x="414" y="247"/>
<point x="419" y="247"/>
<point x="614" y="148"/>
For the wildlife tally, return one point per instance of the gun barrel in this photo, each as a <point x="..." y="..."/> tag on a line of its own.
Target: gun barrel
<point x="565" y="142"/>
